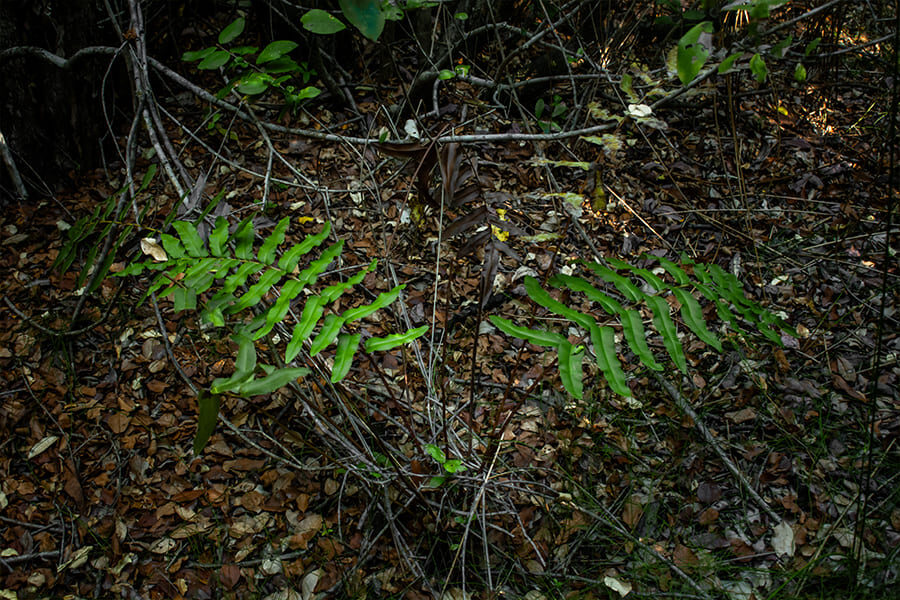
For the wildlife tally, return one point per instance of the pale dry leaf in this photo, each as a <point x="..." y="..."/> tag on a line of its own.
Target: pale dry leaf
<point x="783" y="539"/>
<point x="309" y="583"/>
<point x="152" y="248"/>
<point x="42" y="445"/>
<point x="622" y="587"/>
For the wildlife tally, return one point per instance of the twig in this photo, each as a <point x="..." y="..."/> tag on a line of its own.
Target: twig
<point x="686" y="408"/>
<point x="11" y="167"/>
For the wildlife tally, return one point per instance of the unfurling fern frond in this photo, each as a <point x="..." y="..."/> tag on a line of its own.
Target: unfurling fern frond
<point x="234" y="278"/>
<point x="713" y="283"/>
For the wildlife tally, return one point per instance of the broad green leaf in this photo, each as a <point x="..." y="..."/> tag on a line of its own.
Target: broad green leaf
<point x="243" y="239"/>
<point x="172" y="246"/>
<point x="200" y="276"/>
<point x="693" y="317"/>
<point x="538" y="338"/>
<point x="570" y="368"/>
<point x="365" y="15"/>
<point x="184" y="299"/>
<point x="276" y="49"/>
<point x="343" y="358"/>
<point x="271" y="382"/>
<point x="666" y="328"/>
<point x="192" y="241"/>
<point x="383" y="299"/>
<point x="692" y="54"/>
<point x="330" y="328"/>
<point x="633" y="330"/>
<point x="206" y="421"/>
<point x="231" y="384"/>
<point x="215" y="60"/>
<point x="218" y="237"/>
<point x="266" y="252"/>
<point x="758" y="68"/>
<point x="234" y="29"/>
<point x="197" y="54"/>
<point x="246" y="358"/>
<point x="319" y="21"/>
<point x="254" y="83"/>
<point x="375" y="344"/>
<point x="604" y="340"/>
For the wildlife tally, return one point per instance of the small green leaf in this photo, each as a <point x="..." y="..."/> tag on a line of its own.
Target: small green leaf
<point x="570" y="368"/>
<point x="321" y="22"/>
<point x="197" y="54"/>
<point x="693" y="316"/>
<point x="604" y="339"/>
<point x="800" y="73"/>
<point x="343" y="358"/>
<point x="271" y="382"/>
<point x="290" y="258"/>
<point x="758" y="67"/>
<point x="243" y="239"/>
<point x="246" y="358"/>
<point x="436" y="453"/>
<point x="218" y="237"/>
<point x="275" y="50"/>
<point x="383" y="299"/>
<point x="454" y="465"/>
<point x="234" y="29"/>
<point x="539" y="338"/>
<point x="312" y="312"/>
<point x="445" y="74"/>
<point x="376" y="344"/>
<point x="206" y="421"/>
<point x="727" y="65"/>
<point x="266" y="252"/>
<point x="330" y="328"/>
<point x="666" y="328"/>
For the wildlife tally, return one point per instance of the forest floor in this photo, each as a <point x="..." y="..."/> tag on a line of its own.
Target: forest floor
<point x="102" y="497"/>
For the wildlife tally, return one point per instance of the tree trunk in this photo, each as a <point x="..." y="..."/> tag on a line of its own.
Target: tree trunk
<point x="52" y="118"/>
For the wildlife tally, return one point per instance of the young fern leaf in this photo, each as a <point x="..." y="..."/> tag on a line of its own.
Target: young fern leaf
<point x="716" y="285"/>
<point x="189" y="269"/>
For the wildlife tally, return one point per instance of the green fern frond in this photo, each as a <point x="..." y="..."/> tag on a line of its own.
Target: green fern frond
<point x="234" y="278"/>
<point x="189" y="269"/>
<point x="713" y="283"/>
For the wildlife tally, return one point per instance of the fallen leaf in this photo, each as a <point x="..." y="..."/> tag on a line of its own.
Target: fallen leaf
<point x="783" y="539"/>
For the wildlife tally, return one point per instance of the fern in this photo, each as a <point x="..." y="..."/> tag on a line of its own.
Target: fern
<point x="713" y="283"/>
<point x="221" y="270"/>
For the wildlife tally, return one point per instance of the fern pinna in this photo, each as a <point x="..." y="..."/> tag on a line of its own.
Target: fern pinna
<point x="222" y="269"/>
<point x="712" y="282"/>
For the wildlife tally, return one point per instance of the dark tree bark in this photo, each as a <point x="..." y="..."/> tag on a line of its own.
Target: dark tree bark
<point x="52" y="118"/>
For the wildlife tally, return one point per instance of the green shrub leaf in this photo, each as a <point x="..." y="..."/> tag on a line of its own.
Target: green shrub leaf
<point x="321" y="22"/>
